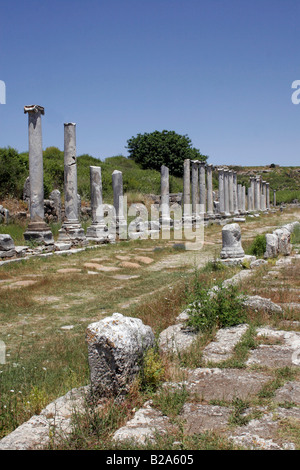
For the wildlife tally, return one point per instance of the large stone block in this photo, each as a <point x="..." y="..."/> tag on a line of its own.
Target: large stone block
<point x="271" y="246"/>
<point x="6" y="242"/>
<point x="116" y="346"/>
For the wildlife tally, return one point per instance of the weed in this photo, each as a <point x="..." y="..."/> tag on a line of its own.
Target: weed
<point x="170" y="401"/>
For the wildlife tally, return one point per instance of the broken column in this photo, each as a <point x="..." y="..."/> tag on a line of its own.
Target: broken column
<point x="71" y="229"/>
<point x="98" y="230"/>
<point x="37" y="230"/>
<point x="55" y="197"/>
<point x="210" y="201"/>
<point x="120" y="222"/>
<point x="231" y="242"/>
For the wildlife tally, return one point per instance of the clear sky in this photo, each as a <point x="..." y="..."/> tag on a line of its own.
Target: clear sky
<point x="219" y="71"/>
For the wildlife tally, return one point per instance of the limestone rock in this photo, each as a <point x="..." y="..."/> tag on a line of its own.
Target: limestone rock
<point x="116" y="346"/>
<point x="176" y="338"/>
<point x="256" y="302"/>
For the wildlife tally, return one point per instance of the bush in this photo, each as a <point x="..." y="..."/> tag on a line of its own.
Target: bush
<point x="13" y="172"/>
<point x="258" y="246"/>
<point x="163" y="148"/>
<point x="220" y="308"/>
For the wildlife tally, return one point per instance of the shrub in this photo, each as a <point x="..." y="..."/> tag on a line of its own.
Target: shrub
<point x="258" y="246"/>
<point x="222" y="307"/>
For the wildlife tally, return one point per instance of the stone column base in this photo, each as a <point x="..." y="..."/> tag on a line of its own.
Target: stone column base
<point x="98" y="233"/>
<point x="73" y="233"/>
<point x="40" y="233"/>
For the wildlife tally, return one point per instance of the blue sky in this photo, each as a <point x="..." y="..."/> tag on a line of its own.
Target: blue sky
<point x="219" y="71"/>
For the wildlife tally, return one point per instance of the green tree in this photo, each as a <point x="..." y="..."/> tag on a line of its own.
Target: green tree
<point x="152" y="150"/>
<point x="13" y="172"/>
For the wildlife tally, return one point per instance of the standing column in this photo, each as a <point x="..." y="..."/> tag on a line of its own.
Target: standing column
<point x="202" y="187"/>
<point x="210" y="200"/>
<point x="121" y="223"/>
<point x="221" y="191"/>
<point x="235" y="205"/>
<point x="195" y="192"/>
<point x="98" y="230"/>
<point x="187" y="191"/>
<point x="274" y="197"/>
<point x="257" y="193"/>
<point x="244" y="199"/>
<point x="37" y="228"/>
<point x="268" y="195"/>
<point x="71" y="229"/>
<point x="226" y="193"/>
<point x="230" y="183"/>
<point x="264" y="195"/>
<point x="252" y="183"/>
<point x="249" y="199"/>
<point x="165" y="200"/>
<point x="240" y="198"/>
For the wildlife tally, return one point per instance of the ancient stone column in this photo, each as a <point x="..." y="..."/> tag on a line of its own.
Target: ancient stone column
<point x="71" y="229"/>
<point x="210" y="201"/>
<point x="235" y="204"/>
<point x="274" y="197"/>
<point x="230" y="183"/>
<point x="249" y="199"/>
<point x="117" y="184"/>
<point x="202" y="188"/>
<point x="187" y="213"/>
<point x="244" y="199"/>
<point x="37" y="230"/>
<point x="226" y="192"/>
<point x="98" y="230"/>
<point x="257" y="193"/>
<point x="240" y="198"/>
<point x="221" y="191"/>
<point x="268" y="195"/>
<point x="195" y="190"/>
<point x="252" y="183"/>
<point x="263" y="196"/>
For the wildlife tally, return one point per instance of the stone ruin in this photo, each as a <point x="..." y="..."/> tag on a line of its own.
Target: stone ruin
<point x="198" y="202"/>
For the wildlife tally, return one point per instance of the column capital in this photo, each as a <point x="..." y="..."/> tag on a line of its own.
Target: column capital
<point x="34" y="108"/>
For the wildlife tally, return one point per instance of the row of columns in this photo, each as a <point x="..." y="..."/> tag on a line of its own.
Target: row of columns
<point x="232" y="200"/>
